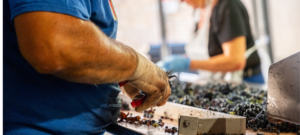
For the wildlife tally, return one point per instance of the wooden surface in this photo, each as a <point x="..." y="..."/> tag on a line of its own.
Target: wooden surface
<point x="156" y="117"/>
<point x="175" y="123"/>
<point x="175" y="110"/>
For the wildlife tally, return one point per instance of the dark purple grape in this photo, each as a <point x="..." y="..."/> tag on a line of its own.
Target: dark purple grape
<point x="255" y="129"/>
<point x="278" y="132"/>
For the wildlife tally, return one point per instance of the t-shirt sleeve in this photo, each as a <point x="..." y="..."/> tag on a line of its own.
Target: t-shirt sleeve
<point x="76" y="8"/>
<point x="231" y="23"/>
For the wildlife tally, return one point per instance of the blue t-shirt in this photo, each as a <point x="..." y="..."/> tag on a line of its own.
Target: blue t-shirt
<point x="44" y="104"/>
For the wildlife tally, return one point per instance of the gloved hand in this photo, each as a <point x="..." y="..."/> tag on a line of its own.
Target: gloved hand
<point x="175" y="63"/>
<point x="150" y="79"/>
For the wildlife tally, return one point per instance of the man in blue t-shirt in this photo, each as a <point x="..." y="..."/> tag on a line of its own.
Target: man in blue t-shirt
<point x="62" y="65"/>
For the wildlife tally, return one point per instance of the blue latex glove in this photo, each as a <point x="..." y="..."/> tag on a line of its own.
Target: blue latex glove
<point x="175" y="63"/>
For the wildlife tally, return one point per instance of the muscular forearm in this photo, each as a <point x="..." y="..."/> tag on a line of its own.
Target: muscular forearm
<point x="95" y="58"/>
<point x="72" y="49"/>
<point x="217" y="63"/>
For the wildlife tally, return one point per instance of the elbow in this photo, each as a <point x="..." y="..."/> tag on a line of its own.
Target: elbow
<point x="49" y="62"/>
<point x="47" y="68"/>
<point x="44" y="62"/>
<point x="44" y="65"/>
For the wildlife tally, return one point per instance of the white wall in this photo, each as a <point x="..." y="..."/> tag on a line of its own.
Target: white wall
<point x="139" y="24"/>
<point x="284" y="17"/>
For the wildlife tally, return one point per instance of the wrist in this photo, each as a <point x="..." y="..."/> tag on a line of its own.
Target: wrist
<point x="193" y="65"/>
<point x="142" y="64"/>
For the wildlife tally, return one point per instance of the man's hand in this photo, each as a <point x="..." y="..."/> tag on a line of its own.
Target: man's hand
<point x="150" y="79"/>
<point x="130" y="91"/>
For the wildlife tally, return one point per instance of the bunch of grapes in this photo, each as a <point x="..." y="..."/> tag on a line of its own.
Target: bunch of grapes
<point x="282" y="127"/>
<point x="235" y="99"/>
<point x="260" y="121"/>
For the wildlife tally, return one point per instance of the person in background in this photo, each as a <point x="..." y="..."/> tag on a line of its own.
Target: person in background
<point x="62" y="66"/>
<point x="229" y="36"/>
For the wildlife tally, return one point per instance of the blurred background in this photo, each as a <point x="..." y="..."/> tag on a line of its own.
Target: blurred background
<point x="149" y="25"/>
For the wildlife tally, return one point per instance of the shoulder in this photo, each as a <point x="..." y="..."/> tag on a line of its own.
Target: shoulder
<point x="224" y="6"/>
<point x="228" y="10"/>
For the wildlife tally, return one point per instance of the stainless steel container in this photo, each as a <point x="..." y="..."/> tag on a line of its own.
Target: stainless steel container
<point x="284" y="90"/>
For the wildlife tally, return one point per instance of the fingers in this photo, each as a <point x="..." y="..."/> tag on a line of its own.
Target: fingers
<point x="154" y="82"/>
<point x="162" y="103"/>
<point x="130" y="90"/>
<point x="150" y="101"/>
<point x="153" y="100"/>
<point x="166" y="95"/>
<point x="156" y="98"/>
<point x="123" y="91"/>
